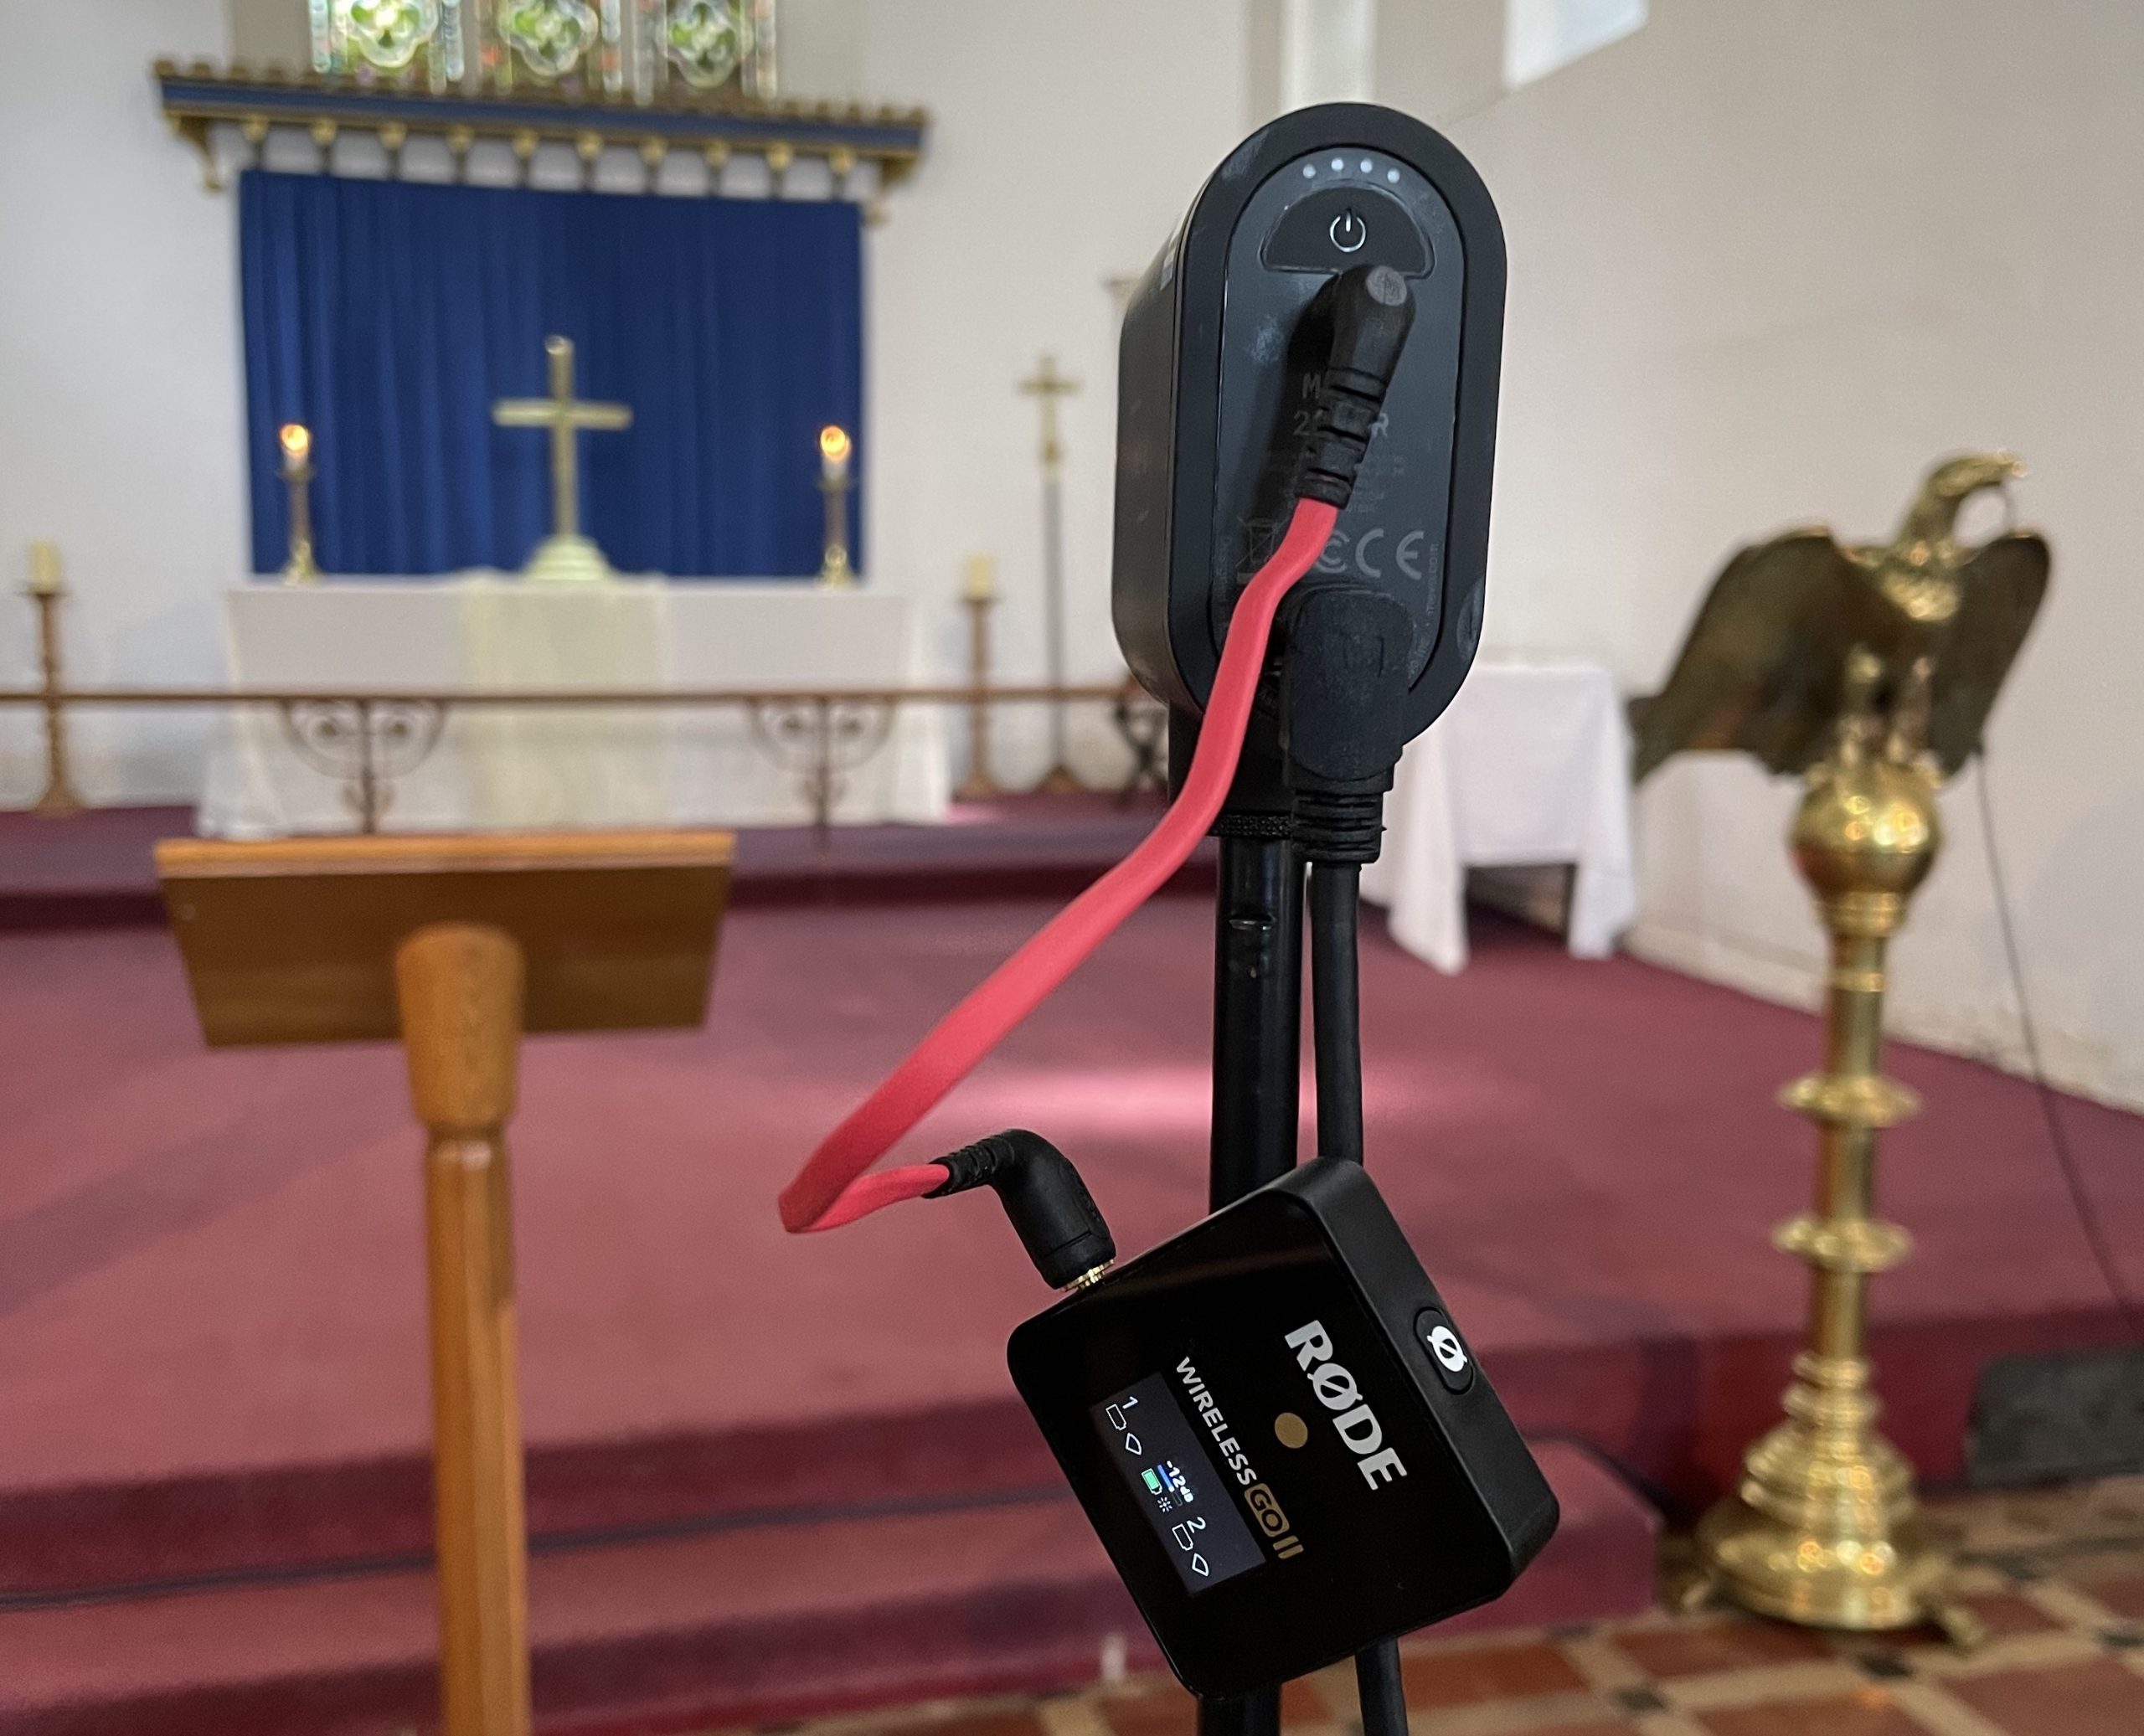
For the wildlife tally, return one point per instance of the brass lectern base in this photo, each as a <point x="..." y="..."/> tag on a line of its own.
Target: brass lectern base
<point x="1856" y="1582"/>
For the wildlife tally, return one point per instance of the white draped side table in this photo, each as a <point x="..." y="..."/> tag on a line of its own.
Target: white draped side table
<point x="1531" y="765"/>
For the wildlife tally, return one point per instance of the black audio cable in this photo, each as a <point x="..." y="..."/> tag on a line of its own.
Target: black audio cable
<point x="1336" y="1040"/>
<point x="1379" y="1688"/>
<point x="1344" y="691"/>
<point x="1336" y="1007"/>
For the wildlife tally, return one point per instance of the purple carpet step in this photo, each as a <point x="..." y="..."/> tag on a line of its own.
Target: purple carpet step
<point x="753" y="1625"/>
<point x="101" y="1539"/>
<point x="97" y="868"/>
<point x="1679" y="1411"/>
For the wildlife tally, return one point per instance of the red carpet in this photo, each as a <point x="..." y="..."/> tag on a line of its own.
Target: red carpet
<point x="211" y="1334"/>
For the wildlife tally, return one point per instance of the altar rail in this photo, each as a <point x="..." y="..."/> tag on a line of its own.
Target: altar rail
<point x="367" y="739"/>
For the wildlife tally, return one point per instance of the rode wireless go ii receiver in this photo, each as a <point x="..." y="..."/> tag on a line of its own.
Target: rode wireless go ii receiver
<point x="1271" y="1420"/>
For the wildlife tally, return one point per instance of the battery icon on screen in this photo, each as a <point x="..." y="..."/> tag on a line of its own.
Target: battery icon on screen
<point x="1153" y="1481"/>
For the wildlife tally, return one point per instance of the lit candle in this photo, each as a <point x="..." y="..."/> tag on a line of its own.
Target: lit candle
<point x="297" y="445"/>
<point x="834" y="453"/>
<point x="44" y="570"/>
<point x="983" y="578"/>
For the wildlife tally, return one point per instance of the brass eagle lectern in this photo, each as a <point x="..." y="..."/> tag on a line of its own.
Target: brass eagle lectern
<point x="1871" y="671"/>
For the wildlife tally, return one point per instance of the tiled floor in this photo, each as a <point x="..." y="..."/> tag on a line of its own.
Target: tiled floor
<point x="2056" y="1578"/>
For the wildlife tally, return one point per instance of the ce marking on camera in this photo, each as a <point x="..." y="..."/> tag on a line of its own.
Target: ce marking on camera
<point x="1369" y="551"/>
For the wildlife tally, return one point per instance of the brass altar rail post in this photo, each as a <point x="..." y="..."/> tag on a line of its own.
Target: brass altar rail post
<point x="979" y="597"/>
<point x="1143" y="722"/>
<point x="1824" y="1526"/>
<point x="459" y="989"/>
<point x="367" y="741"/>
<point x="819" y="781"/>
<point x="370" y="803"/>
<point x="824" y="736"/>
<point x="47" y="590"/>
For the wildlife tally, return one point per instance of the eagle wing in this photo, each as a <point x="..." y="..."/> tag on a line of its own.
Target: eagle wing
<point x="2000" y="590"/>
<point x="1763" y="667"/>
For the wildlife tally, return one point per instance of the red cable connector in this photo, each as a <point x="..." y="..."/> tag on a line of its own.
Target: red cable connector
<point x="831" y="1188"/>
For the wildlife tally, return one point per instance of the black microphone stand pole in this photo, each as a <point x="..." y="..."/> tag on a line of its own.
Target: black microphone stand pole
<point x="1258" y="978"/>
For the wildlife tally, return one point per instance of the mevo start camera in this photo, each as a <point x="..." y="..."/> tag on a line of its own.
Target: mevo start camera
<point x="1280" y="1437"/>
<point x="1218" y="366"/>
<point x="1271" y="1420"/>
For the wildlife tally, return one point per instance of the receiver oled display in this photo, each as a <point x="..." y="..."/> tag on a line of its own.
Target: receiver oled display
<point x="1167" y="1470"/>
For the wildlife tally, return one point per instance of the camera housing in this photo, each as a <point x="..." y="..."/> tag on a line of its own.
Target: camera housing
<point x="1282" y="1441"/>
<point x="1218" y="365"/>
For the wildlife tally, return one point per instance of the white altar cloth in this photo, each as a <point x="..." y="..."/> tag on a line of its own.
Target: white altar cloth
<point x="1530" y="766"/>
<point x="570" y="766"/>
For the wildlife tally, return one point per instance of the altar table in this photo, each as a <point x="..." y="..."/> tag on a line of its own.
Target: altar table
<point x="569" y="766"/>
<point x="1530" y="766"/>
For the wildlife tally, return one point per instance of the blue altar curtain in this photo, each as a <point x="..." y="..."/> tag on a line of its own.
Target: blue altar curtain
<point x="388" y="316"/>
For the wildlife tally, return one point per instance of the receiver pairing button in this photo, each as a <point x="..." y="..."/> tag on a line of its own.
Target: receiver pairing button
<point x="1448" y="1355"/>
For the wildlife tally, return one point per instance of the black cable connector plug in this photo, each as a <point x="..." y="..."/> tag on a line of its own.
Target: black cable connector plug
<point x="1056" y="1218"/>
<point x="1372" y="310"/>
<point x="1344" y="714"/>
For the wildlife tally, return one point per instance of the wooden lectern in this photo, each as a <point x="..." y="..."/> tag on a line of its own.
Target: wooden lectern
<point x="457" y="945"/>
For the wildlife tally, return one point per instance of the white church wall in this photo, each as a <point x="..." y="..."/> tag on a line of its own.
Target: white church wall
<point x="1767" y="263"/>
<point x="1066" y="142"/>
<point x="119" y="370"/>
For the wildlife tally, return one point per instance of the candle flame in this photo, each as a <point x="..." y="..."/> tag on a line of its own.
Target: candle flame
<point x="298" y="440"/>
<point x="833" y="441"/>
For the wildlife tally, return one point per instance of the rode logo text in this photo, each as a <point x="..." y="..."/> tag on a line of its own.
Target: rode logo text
<point x="1338" y="1391"/>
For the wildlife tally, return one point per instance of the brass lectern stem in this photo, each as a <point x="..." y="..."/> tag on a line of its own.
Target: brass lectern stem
<point x="1824" y="1527"/>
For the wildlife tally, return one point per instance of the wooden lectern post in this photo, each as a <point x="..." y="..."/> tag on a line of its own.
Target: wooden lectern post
<point x="456" y="943"/>
<point x="459" y="986"/>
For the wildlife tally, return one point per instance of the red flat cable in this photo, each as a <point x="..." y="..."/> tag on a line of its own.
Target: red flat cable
<point x="831" y="1189"/>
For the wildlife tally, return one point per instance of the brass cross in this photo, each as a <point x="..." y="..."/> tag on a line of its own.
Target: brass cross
<point x="1049" y="385"/>
<point x="565" y="415"/>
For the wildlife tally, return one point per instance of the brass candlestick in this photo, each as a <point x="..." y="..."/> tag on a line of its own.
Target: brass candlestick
<point x="295" y="439"/>
<point x="835" y="572"/>
<point x="46" y="590"/>
<point x="979" y="599"/>
<point x="1824" y="1527"/>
